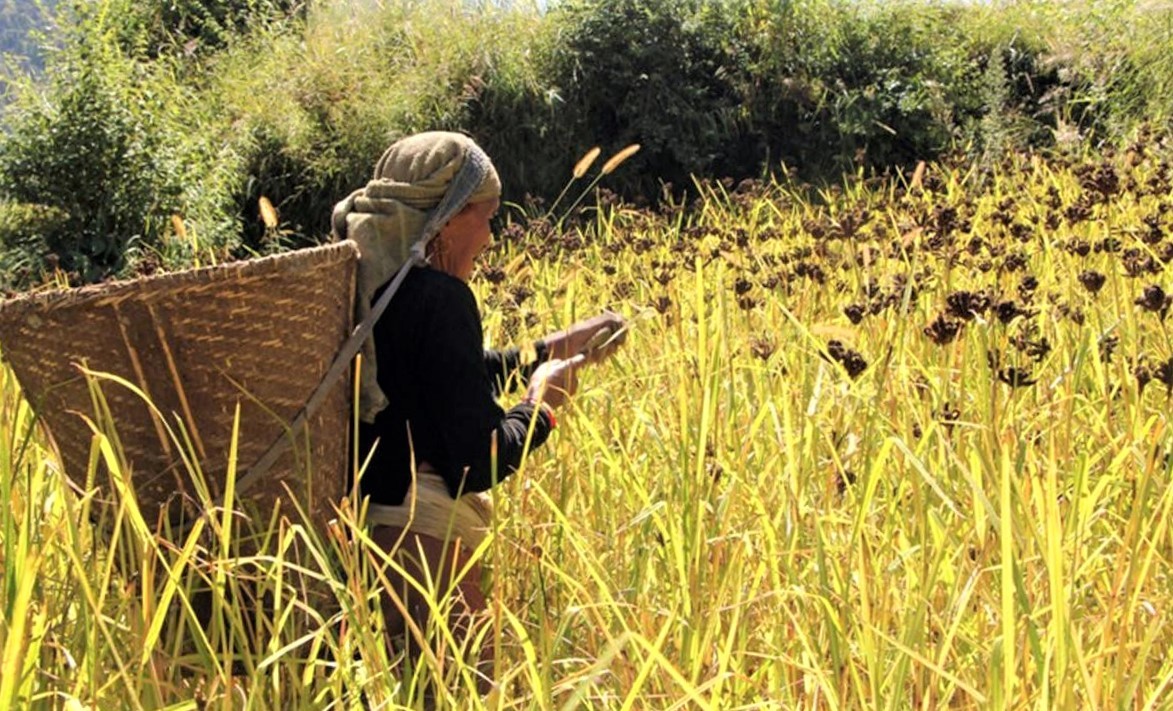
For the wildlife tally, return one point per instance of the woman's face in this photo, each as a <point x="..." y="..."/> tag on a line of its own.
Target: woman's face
<point x="459" y="243"/>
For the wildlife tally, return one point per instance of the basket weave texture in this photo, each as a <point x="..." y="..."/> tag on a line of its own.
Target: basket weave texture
<point x="259" y="334"/>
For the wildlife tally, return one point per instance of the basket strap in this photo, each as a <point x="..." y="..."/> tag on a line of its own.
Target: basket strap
<point x="464" y="184"/>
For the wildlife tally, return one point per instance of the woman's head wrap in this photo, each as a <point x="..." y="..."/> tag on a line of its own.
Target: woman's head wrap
<point x="420" y="183"/>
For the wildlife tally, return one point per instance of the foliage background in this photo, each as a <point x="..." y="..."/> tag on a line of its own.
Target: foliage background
<point x="155" y="127"/>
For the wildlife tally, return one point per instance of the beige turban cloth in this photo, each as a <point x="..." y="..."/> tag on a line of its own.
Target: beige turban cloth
<point x="420" y="183"/>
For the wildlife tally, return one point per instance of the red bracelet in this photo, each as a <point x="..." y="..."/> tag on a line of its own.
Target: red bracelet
<point x="542" y="406"/>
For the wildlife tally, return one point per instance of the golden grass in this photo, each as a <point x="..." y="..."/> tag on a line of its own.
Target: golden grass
<point x="584" y="164"/>
<point x="617" y="160"/>
<point x="731" y="515"/>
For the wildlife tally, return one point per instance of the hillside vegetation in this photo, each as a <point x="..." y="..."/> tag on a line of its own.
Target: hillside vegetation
<point x="158" y="126"/>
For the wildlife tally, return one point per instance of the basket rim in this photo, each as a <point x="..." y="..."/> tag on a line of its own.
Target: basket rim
<point x="251" y="268"/>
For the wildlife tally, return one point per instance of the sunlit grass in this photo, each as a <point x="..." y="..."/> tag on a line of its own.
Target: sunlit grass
<point x="725" y="518"/>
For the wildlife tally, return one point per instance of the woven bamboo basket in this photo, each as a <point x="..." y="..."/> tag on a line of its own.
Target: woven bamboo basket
<point x="258" y="335"/>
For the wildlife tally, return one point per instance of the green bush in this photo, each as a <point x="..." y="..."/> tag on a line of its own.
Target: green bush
<point x="834" y="86"/>
<point x="88" y="154"/>
<point x="1119" y="56"/>
<point x="195" y="109"/>
<point x="513" y="107"/>
<point x="25" y="256"/>
<point x="117" y="149"/>
<point x="652" y="72"/>
<point x="189" y="28"/>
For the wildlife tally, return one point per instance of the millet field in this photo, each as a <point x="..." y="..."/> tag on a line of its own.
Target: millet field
<point x="895" y="440"/>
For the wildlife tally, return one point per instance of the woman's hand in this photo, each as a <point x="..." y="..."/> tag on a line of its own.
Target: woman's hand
<point x="595" y="338"/>
<point x="554" y="381"/>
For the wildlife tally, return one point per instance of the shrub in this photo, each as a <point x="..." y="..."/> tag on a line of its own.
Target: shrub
<point x="513" y="107"/>
<point x="88" y="154"/>
<point x="115" y="148"/>
<point x="833" y="86"/>
<point x="198" y="108"/>
<point x="1118" y="56"/>
<point x="654" y="73"/>
<point x="188" y="28"/>
<point x="25" y="254"/>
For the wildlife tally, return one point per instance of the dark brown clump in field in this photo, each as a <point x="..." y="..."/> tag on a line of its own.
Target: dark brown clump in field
<point x="1021" y="232"/>
<point x="1013" y="376"/>
<point x="814" y="228"/>
<point x="811" y="271"/>
<point x="1154" y="299"/>
<point x="742" y="288"/>
<point x="762" y="347"/>
<point x="520" y="293"/>
<point x="1092" y="280"/>
<point x="1014" y="262"/>
<point x="1155" y="232"/>
<point x="1073" y="313"/>
<point x="943" y="330"/>
<point x="1109" y="245"/>
<point x="1108" y="345"/>
<point x="843" y="478"/>
<point x="1167" y="252"/>
<point x="1102" y="180"/>
<point x="1137" y="263"/>
<point x="1036" y="348"/>
<point x="1078" y="212"/>
<point x="945" y="219"/>
<point x="1007" y="311"/>
<point x="493" y="275"/>
<point x="1142" y="373"/>
<point x="851" y="360"/>
<point x="1164" y="373"/>
<point x="1016" y="377"/>
<point x="1027" y="287"/>
<point x="967" y="304"/>
<point x="771" y="281"/>
<point x="948" y="416"/>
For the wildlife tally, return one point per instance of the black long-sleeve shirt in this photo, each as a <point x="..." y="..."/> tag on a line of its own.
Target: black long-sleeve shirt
<point x="442" y="387"/>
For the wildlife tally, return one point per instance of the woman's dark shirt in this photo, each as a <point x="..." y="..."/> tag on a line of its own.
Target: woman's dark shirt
<point x="442" y="386"/>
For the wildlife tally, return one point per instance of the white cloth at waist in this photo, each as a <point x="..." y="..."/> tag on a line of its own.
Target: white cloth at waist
<point x="428" y="509"/>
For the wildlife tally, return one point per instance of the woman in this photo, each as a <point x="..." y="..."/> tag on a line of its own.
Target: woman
<point x="432" y="436"/>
